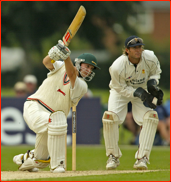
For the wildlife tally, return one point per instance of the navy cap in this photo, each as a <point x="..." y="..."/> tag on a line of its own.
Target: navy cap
<point x="135" y="41"/>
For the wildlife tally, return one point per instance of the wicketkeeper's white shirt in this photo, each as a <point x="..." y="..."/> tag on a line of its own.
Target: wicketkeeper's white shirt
<point x="125" y="78"/>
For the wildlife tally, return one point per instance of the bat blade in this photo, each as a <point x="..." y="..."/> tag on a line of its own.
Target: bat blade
<point x="74" y="26"/>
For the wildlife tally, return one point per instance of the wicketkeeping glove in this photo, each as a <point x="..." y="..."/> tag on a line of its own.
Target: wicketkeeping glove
<point x="155" y="90"/>
<point x="145" y="97"/>
<point x="60" y="51"/>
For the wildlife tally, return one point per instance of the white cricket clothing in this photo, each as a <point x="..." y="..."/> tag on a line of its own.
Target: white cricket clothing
<point x="54" y="94"/>
<point x="126" y="78"/>
<point x="118" y="104"/>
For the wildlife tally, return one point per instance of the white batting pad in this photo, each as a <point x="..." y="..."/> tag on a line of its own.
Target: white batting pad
<point x="57" y="130"/>
<point x="111" y="133"/>
<point x="147" y="134"/>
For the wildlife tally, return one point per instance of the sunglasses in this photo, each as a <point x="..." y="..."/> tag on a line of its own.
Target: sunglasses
<point x="134" y="41"/>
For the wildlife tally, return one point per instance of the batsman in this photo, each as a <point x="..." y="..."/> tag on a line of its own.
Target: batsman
<point x="46" y="111"/>
<point x="134" y="78"/>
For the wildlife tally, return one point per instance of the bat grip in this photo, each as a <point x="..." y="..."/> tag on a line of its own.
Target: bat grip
<point x="74" y="121"/>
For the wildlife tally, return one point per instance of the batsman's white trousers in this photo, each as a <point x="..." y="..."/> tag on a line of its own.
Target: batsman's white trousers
<point x="37" y="118"/>
<point x="118" y="104"/>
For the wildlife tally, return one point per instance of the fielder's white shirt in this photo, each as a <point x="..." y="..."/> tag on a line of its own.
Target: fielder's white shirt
<point x="55" y="93"/>
<point x="125" y="78"/>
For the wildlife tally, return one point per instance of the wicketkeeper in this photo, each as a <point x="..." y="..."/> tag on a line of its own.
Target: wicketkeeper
<point x="134" y="77"/>
<point x="46" y="111"/>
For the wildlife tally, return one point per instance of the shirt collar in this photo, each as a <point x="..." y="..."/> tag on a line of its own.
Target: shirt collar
<point x="132" y="63"/>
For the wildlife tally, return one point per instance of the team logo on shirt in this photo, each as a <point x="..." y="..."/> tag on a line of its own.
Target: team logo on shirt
<point x="66" y="79"/>
<point x="137" y="81"/>
<point x="143" y="71"/>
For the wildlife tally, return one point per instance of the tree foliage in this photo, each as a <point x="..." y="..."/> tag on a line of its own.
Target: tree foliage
<point x="35" y="26"/>
<point x="26" y="23"/>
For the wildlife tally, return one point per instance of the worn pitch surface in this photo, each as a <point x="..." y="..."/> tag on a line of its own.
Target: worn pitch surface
<point x="9" y="175"/>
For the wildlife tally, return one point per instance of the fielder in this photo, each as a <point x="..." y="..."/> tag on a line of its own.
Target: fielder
<point x="45" y="112"/>
<point x="134" y="77"/>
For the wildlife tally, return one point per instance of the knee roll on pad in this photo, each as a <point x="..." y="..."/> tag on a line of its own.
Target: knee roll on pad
<point x="58" y="124"/>
<point x="147" y="134"/>
<point x="57" y="130"/>
<point x="111" y="133"/>
<point x="151" y="116"/>
<point x="110" y="117"/>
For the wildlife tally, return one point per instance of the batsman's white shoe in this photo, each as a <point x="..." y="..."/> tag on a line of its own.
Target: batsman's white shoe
<point x="141" y="164"/>
<point x="59" y="169"/>
<point x="17" y="159"/>
<point x="112" y="162"/>
<point x="33" y="169"/>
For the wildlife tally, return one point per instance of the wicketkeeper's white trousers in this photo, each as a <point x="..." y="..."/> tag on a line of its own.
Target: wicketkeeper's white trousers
<point x="118" y="104"/>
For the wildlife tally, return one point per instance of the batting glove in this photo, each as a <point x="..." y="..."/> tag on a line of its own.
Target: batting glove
<point x="60" y="51"/>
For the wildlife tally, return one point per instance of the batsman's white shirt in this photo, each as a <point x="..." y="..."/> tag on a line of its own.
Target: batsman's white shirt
<point x="54" y="94"/>
<point x="126" y="78"/>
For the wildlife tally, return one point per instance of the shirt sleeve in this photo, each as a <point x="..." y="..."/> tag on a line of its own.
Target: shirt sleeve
<point x="80" y="88"/>
<point x="155" y="70"/>
<point x="57" y="65"/>
<point x="118" y="82"/>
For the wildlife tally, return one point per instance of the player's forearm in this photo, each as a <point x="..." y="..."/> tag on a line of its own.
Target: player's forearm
<point x="47" y="61"/>
<point x="70" y="70"/>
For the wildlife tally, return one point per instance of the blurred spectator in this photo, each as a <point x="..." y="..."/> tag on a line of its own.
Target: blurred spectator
<point x="163" y="128"/>
<point x="167" y="106"/>
<point x="31" y="83"/>
<point x="20" y="89"/>
<point x="88" y="94"/>
<point x="131" y="125"/>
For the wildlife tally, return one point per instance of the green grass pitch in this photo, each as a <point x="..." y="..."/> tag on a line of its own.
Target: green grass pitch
<point x="92" y="157"/>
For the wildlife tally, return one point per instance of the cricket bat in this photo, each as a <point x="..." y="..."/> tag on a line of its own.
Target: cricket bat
<point x="70" y="33"/>
<point x="74" y="26"/>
